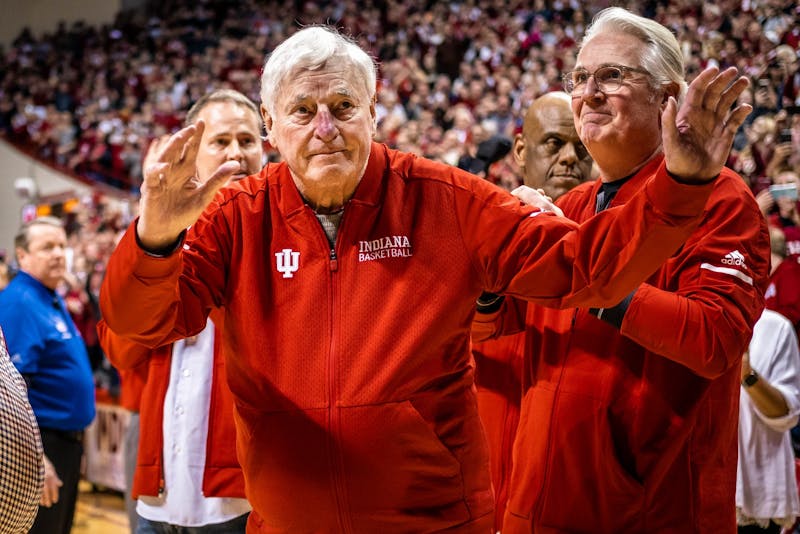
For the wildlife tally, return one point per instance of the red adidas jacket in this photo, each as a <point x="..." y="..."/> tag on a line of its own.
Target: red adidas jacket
<point x="222" y="476"/>
<point x="635" y="430"/>
<point x="351" y="368"/>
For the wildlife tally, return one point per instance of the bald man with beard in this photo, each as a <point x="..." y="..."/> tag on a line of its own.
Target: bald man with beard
<point x="553" y="159"/>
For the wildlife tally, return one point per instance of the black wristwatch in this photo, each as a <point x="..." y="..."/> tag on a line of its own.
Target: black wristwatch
<point x="750" y="379"/>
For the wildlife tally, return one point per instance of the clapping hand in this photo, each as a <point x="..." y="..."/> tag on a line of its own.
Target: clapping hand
<point x="697" y="137"/>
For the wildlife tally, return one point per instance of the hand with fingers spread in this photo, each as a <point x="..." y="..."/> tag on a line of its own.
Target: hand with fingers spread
<point x="173" y="195"/>
<point x="697" y="137"/>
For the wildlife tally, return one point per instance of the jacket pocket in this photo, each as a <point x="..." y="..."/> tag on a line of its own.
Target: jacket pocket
<point x="570" y="457"/>
<point x="587" y="488"/>
<point x="398" y="471"/>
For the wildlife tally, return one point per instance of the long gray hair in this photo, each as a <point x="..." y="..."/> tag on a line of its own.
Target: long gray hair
<point x="661" y="55"/>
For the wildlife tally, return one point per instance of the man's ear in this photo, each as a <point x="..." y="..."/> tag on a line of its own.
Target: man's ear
<point x="670" y="90"/>
<point x="518" y="150"/>
<point x="373" y="114"/>
<point x="21" y="254"/>
<point x="267" y="118"/>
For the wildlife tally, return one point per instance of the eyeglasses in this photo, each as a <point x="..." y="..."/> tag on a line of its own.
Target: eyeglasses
<point x="608" y="79"/>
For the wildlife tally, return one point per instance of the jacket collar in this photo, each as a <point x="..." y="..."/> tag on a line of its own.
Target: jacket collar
<point x="367" y="193"/>
<point x="634" y="184"/>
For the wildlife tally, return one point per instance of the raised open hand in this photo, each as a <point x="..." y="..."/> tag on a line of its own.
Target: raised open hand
<point x="697" y="137"/>
<point x="173" y="195"/>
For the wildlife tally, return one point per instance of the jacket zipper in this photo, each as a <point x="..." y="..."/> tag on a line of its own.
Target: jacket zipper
<point x="537" y="512"/>
<point x="334" y="454"/>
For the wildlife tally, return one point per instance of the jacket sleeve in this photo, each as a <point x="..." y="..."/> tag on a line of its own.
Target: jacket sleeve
<point x="554" y="262"/>
<point x="705" y="317"/>
<point x="509" y="319"/>
<point x="123" y="353"/>
<point x="155" y="301"/>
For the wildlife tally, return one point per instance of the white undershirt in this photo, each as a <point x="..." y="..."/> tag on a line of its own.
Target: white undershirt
<point x="185" y="428"/>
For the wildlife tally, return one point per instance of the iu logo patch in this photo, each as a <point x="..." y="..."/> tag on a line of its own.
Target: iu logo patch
<point x="286" y="261"/>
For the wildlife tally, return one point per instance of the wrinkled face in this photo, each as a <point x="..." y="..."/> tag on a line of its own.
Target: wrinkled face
<point x="45" y="258"/>
<point x="322" y="126"/>
<point x="231" y="134"/>
<point x="550" y="152"/>
<point x="623" y="125"/>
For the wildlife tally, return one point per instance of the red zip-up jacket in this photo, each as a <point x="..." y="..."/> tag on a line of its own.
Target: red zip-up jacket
<point x="635" y="430"/>
<point x="222" y="475"/>
<point x="350" y="367"/>
<point x="132" y="383"/>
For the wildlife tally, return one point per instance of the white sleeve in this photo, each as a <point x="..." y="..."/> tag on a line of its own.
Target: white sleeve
<point x="775" y="355"/>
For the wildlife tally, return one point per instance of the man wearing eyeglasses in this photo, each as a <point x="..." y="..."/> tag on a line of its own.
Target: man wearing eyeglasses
<point x="629" y="414"/>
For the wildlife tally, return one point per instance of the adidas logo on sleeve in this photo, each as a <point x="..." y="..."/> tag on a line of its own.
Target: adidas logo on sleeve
<point x="731" y="259"/>
<point x="734" y="258"/>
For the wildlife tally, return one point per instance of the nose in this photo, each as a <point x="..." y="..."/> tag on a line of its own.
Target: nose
<point x="234" y="152"/>
<point x="567" y="155"/>
<point x="591" y="89"/>
<point x="324" y="126"/>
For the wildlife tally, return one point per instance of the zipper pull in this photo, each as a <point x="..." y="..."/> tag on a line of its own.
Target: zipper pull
<point x="334" y="261"/>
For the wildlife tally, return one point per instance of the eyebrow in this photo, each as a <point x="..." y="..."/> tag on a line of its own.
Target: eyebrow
<point x="339" y="92"/>
<point x="606" y="64"/>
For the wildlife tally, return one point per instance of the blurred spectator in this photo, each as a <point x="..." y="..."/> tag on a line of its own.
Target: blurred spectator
<point x="47" y="348"/>
<point x="781" y="207"/>
<point x="783" y="293"/>
<point x="753" y="159"/>
<point x="119" y="86"/>
<point x="5" y="274"/>
<point x="769" y="405"/>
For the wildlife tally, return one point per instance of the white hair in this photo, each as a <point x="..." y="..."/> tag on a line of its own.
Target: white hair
<point x="661" y="55"/>
<point x="313" y="48"/>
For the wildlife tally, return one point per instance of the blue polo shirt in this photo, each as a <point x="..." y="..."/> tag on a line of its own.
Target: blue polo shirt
<point x="46" y="347"/>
